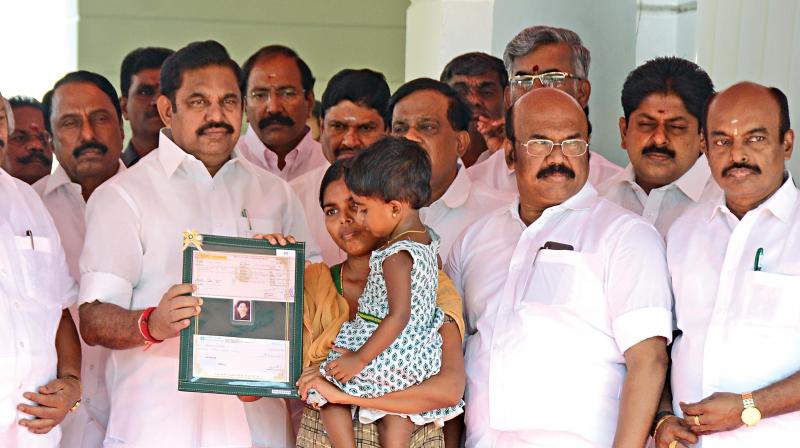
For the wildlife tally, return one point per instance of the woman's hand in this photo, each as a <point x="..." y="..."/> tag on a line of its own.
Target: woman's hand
<point x="312" y="379"/>
<point x="277" y="239"/>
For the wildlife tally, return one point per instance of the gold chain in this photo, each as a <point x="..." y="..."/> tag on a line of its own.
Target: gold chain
<point x="391" y="241"/>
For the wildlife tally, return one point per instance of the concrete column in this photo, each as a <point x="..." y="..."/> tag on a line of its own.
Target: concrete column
<point x="439" y="30"/>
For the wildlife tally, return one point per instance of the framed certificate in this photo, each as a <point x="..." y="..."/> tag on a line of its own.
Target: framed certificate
<point x="247" y="338"/>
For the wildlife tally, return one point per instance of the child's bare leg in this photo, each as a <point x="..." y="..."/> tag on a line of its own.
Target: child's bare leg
<point x="338" y="421"/>
<point x="395" y="431"/>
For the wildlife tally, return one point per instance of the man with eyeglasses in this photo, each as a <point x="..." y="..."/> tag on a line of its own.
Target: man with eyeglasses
<point x="662" y="101"/>
<point x="543" y="56"/>
<point x="279" y="98"/>
<point x="481" y="80"/>
<point x="83" y="113"/>
<point x="29" y="155"/>
<point x="567" y="299"/>
<point x="139" y="88"/>
<point x="351" y="111"/>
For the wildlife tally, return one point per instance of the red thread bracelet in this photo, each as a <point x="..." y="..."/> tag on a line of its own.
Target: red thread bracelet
<point x="144" y="329"/>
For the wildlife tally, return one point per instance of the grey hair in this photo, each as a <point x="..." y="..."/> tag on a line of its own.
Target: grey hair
<point x="9" y="113"/>
<point x="534" y="37"/>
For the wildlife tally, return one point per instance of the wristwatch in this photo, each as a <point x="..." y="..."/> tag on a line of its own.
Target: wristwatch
<point x="750" y="415"/>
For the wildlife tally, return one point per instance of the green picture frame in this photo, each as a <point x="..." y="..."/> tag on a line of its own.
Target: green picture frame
<point x="220" y="324"/>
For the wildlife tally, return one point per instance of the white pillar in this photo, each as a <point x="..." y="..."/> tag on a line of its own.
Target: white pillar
<point x="439" y="30"/>
<point x="665" y="28"/>
<point x="40" y="44"/>
<point x="756" y="41"/>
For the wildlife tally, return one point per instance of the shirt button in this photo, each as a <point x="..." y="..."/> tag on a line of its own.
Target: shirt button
<point x="91" y="366"/>
<point x="21" y="344"/>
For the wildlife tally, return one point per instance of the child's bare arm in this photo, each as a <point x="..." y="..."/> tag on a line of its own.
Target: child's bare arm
<point x="397" y="273"/>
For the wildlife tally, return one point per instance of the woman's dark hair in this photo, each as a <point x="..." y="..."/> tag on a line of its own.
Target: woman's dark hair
<point x="246" y="302"/>
<point x="393" y="168"/>
<point x="334" y="172"/>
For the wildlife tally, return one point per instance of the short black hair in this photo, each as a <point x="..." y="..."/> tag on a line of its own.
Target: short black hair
<point x="392" y="169"/>
<point x="316" y="111"/>
<point x="191" y="57"/>
<point x="335" y="172"/>
<point x="138" y="60"/>
<point x="784" y="122"/>
<point x="667" y="75"/>
<point x="475" y="64"/>
<point x="306" y="77"/>
<point x="100" y="81"/>
<point x="364" y="87"/>
<point x="458" y="112"/>
<point x="26" y="101"/>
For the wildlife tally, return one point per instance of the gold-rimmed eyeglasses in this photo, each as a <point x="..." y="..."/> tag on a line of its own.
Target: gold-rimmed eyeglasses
<point x="539" y="147"/>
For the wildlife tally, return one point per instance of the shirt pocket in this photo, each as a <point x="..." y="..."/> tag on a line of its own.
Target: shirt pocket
<point x="561" y="278"/>
<point x="36" y="264"/>
<point x="770" y="300"/>
<point x="247" y="227"/>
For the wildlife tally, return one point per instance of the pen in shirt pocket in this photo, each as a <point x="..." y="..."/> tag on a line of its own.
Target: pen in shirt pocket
<point x="29" y="234"/>
<point x="757" y="261"/>
<point x="244" y="215"/>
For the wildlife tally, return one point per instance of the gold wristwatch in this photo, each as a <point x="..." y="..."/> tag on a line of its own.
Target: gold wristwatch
<point x="750" y="415"/>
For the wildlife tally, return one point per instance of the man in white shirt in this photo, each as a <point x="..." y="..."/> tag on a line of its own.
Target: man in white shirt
<point x="543" y="56"/>
<point x="735" y="266"/>
<point x="662" y="100"/>
<point x="131" y="261"/>
<point x="352" y="118"/>
<point x="433" y="114"/>
<point x="29" y="153"/>
<point x="480" y="79"/>
<point x="279" y="90"/>
<point x="567" y="299"/>
<point x="39" y="347"/>
<point x="84" y="117"/>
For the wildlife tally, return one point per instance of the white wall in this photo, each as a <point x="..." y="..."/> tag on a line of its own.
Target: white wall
<point x="39" y="40"/>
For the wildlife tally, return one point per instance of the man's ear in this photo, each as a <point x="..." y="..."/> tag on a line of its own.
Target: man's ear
<point x="462" y="143"/>
<point x="507" y="97"/>
<point x="584" y="91"/>
<point x="788" y="144"/>
<point x="123" y="104"/>
<point x="703" y="143"/>
<point x="164" y="106"/>
<point x="623" y="129"/>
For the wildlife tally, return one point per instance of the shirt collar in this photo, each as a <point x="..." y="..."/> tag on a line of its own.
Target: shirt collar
<point x="129" y="155"/>
<point x="584" y="199"/>
<point x="781" y="204"/>
<point x="59" y="178"/>
<point x="259" y="150"/>
<point x="692" y="183"/>
<point x="169" y="154"/>
<point x="458" y="191"/>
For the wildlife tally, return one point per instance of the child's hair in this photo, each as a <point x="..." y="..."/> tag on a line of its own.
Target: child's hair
<point x="393" y="168"/>
<point x="334" y="172"/>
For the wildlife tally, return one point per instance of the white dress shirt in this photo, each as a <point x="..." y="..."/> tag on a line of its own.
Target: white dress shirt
<point x="741" y="327"/>
<point x="462" y="204"/>
<point x="307" y="189"/>
<point x="86" y="427"/>
<point x="547" y="329"/>
<point x="132" y="255"/>
<point x="306" y="156"/>
<point x="663" y="205"/>
<point x="495" y="173"/>
<point x="35" y="286"/>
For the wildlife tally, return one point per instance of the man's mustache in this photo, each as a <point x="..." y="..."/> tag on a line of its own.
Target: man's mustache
<point x="345" y="149"/>
<point x="275" y="119"/>
<point x="90" y="145"/>
<point x="35" y="155"/>
<point x="215" y="124"/>
<point x="653" y="149"/>
<point x="737" y="165"/>
<point x="556" y="169"/>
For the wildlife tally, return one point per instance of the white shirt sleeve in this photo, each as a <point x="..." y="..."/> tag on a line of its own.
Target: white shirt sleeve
<point x="111" y="261"/>
<point x="639" y="294"/>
